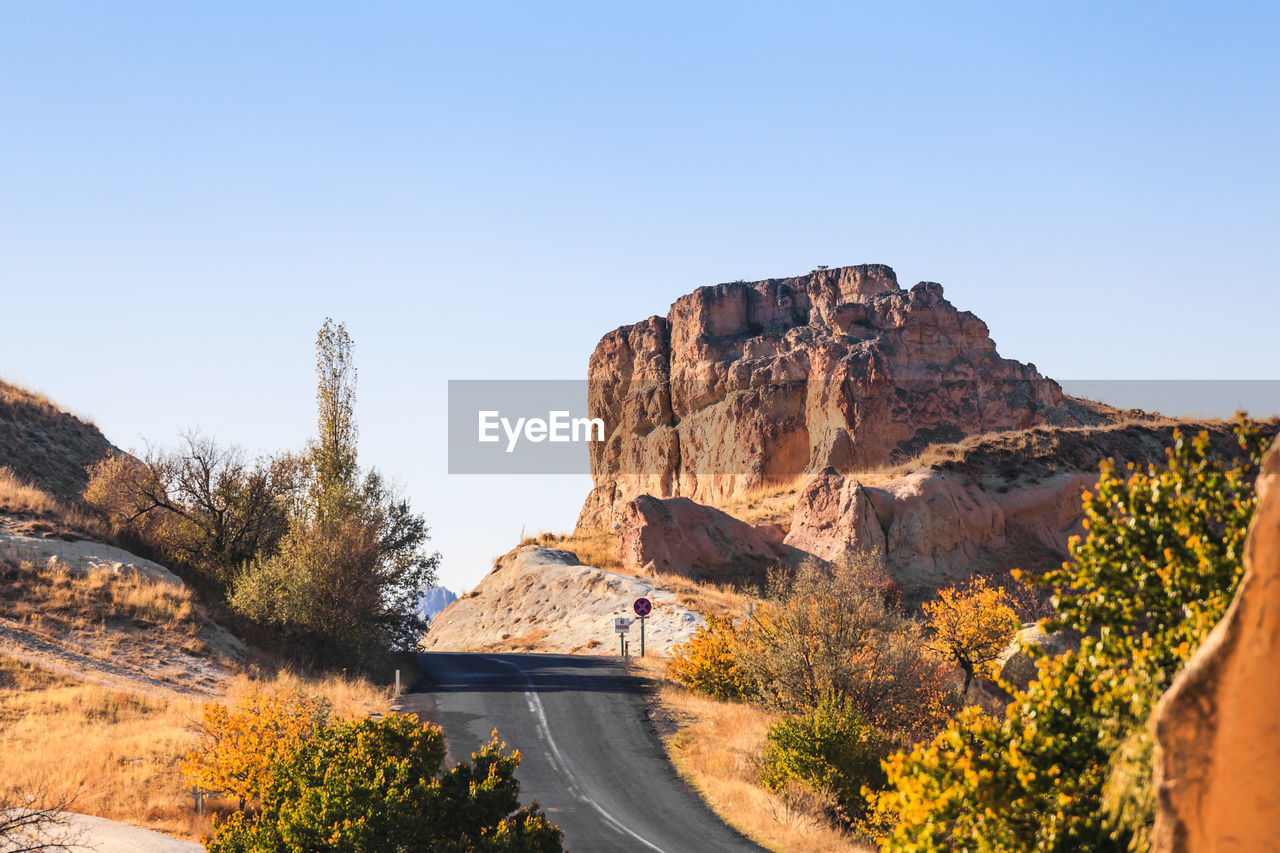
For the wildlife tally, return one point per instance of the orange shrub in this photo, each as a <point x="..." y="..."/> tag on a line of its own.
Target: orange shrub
<point x="240" y="745"/>
<point x="708" y="662"/>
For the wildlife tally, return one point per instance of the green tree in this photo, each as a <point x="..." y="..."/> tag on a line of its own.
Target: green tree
<point x="345" y="578"/>
<point x="375" y="786"/>
<point x="831" y="749"/>
<point x="333" y="456"/>
<point x="1064" y="769"/>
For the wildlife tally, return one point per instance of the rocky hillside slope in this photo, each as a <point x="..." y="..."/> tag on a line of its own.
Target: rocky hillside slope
<point x="45" y="446"/>
<point x="543" y="599"/>
<point x="747" y="384"/>
<point x="985" y="505"/>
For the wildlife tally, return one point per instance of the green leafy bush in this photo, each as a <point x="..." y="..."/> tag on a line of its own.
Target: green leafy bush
<point x="830" y="749"/>
<point x="374" y="785"/>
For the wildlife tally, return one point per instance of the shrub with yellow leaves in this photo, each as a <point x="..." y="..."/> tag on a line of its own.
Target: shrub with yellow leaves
<point x="239" y="746"/>
<point x="971" y="624"/>
<point x="708" y="662"/>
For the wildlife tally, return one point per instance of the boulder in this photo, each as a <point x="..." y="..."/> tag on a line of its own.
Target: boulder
<point x="834" y="516"/>
<point x="1217" y="727"/>
<point x="1016" y="665"/>
<point x="679" y="536"/>
<point x="932" y="526"/>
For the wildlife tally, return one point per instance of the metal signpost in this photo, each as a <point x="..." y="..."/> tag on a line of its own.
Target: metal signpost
<point x="622" y="625"/>
<point x="643" y="608"/>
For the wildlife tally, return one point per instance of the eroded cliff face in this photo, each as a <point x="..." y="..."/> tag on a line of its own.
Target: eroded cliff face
<point x="749" y="384"/>
<point x="983" y="506"/>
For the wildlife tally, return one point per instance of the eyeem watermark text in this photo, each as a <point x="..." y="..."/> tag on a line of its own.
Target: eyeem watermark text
<point x="558" y="426"/>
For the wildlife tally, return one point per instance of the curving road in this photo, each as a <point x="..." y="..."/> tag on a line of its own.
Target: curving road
<point x="591" y="757"/>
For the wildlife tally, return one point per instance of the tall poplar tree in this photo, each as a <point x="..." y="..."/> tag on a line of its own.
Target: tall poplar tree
<point x="344" y="584"/>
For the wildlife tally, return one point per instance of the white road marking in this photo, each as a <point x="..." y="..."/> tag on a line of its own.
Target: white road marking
<point x="557" y="759"/>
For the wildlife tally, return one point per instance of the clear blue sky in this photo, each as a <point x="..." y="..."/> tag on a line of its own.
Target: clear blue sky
<point x="481" y="190"/>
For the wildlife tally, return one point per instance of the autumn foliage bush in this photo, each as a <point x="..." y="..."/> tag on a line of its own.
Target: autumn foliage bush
<point x="240" y="746"/>
<point x="376" y="785"/>
<point x="708" y="662"/>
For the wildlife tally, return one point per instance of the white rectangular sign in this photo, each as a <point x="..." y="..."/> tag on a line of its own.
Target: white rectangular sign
<point x="622" y="625"/>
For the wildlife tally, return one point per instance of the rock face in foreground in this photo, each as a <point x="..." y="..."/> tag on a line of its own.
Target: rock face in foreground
<point x="755" y="383"/>
<point x="1217" y="783"/>
<point x="680" y="536"/>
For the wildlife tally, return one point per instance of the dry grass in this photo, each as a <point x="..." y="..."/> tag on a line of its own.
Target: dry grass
<point x="12" y="395"/>
<point x="21" y="498"/>
<point x="347" y="696"/>
<point x="772" y="503"/>
<point x="597" y="550"/>
<point x="119" y="751"/>
<point x="44" y="513"/>
<point x="709" y="599"/>
<point x="714" y="748"/>
<point x="56" y="600"/>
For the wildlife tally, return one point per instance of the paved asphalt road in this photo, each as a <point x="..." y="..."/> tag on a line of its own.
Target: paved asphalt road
<point x="591" y="757"/>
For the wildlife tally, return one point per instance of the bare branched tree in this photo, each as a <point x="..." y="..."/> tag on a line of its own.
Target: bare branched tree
<point x="203" y="505"/>
<point x="33" y="819"/>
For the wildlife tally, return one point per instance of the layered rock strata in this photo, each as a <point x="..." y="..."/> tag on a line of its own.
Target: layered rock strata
<point x="749" y="384"/>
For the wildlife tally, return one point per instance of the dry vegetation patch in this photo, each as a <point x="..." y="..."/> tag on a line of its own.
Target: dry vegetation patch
<point x="715" y="746"/>
<point x="118" y="752"/>
<point x="35" y="512"/>
<point x="115" y="751"/>
<point x="56" y="599"/>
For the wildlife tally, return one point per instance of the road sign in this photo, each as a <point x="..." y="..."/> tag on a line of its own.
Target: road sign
<point x="622" y="625"/>
<point x="643" y="607"/>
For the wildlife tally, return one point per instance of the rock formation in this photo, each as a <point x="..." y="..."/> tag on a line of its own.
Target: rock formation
<point x="1217" y="784"/>
<point x="986" y="505"/>
<point x="748" y="384"/>
<point x="680" y="536"/>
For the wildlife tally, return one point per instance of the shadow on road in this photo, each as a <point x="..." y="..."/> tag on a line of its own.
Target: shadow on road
<point x="482" y="673"/>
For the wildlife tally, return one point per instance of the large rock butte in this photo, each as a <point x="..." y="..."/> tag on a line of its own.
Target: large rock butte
<point x="752" y="384"/>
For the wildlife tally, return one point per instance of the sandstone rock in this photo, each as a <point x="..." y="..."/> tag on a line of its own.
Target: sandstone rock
<point x="835" y="516"/>
<point x="79" y="557"/>
<point x="985" y="505"/>
<point x="679" y="536"/>
<point x="747" y="384"/>
<point x="932" y="526"/>
<point x="1017" y="667"/>
<point x="1218" y="730"/>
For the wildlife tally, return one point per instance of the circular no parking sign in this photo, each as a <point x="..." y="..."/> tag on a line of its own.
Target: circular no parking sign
<point x="643" y="606"/>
